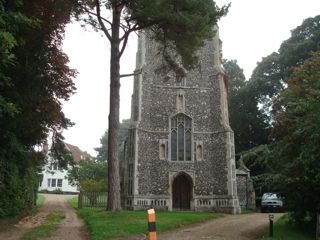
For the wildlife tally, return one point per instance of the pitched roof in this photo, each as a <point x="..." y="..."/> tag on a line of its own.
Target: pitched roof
<point x="77" y="153"/>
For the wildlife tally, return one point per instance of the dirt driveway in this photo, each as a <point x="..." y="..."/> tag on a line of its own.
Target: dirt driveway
<point x="231" y="227"/>
<point x="70" y="228"/>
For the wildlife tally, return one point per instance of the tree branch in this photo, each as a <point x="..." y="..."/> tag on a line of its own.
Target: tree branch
<point x="135" y="73"/>
<point x="125" y="41"/>
<point x="100" y="20"/>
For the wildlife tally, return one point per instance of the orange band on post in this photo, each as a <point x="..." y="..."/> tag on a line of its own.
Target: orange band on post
<point x="152" y="234"/>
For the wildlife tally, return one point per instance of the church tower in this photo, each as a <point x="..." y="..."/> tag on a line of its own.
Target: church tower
<point x="180" y="147"/>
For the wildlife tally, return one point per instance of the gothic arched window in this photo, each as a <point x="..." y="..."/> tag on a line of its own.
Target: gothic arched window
<point x="181" y="138"/>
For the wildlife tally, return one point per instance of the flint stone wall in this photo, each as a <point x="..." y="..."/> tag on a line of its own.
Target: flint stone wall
<point x="154" y="102"/>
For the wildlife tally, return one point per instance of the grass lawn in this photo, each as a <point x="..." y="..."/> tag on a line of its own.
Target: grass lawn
<point x="109" y="225"/>
<point x="40" y="200"/>
<point x="39" y="203"/>
<point x="51" y="223"/>
<point x="282" y="229"/>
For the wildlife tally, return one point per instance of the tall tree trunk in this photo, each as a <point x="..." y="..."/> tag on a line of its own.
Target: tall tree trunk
<point x="114" y="202"/>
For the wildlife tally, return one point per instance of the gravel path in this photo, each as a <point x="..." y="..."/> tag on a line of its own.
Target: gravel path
<point x="231" y="227"/>
<point x="70" y="228"/>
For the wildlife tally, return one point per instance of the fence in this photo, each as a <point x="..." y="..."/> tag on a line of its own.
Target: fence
<point x="92" y="199"/>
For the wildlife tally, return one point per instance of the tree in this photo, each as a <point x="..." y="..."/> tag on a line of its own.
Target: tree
<point x="90" y="177"/>
<point x="89" y="171"/>
<point x="259" y="160"/>
<point x="9" y="20"/>
<point x="103" y="149"/>
<point x="303" y="42"/>
<point x="270" y="76"/>
<point x="251" y="102"/>
<point x="246" y="119"/>
<point x="297" y="135"/>
<point x="179" y="25"/>
<point x="34" y="78"/>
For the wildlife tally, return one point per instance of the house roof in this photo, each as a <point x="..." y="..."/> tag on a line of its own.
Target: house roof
<point x="77" y="153"/>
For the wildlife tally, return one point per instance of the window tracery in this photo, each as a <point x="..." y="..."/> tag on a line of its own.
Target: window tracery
<point x="181" y="138"/>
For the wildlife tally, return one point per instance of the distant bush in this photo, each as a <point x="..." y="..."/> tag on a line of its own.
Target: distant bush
<point x="89" y="176"/>
<point x="44" y="191"/>
<point x="90" y="185"/>
<point x="57" y="191"/>
<point x="18" y="190"/>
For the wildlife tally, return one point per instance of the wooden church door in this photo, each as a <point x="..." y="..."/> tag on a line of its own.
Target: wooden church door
<point x="181" y="193"/>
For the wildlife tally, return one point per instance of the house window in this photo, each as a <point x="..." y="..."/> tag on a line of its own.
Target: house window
<point x="59" y="183"/>
<point x="49" y="182"/>
<point x="181" y="138"/>
<point x="53" y="182"/>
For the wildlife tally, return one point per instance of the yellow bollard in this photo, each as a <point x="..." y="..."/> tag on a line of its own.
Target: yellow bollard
<point x="152" y="234"/>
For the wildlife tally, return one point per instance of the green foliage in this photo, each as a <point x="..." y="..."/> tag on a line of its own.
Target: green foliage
<point x="91" y="185"/>
<point x="57" y="191"/>
<point x="18" y="190"/>
<point x="251" y="102"/>
<point x="73" y="202"/>
<point x="289" y="158"/>
<point x="181" y="25"/>
<point x="284" y="228"/>
<point x="303" y="42"/>
<point x="51" y="223"/>
<point x="235" y="74"/>
<point x="297" y="136"/>
<point x="111" y="225"/>
<point x="40" y="200"/>
<point x="260" y="162"/>
<point x="10" y="19"/>
<point x="34" y="77"/>
<point x="59" y="153"/>
<point x="103" y="149"/>
<point x="270" y="76"/>
<point x="89" y="175"/>
<point x="246" y="119"/>
<point x="267" y="81"/>
<point x="184" y="24"/>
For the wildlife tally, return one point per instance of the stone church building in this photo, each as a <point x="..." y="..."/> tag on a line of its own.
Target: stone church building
<point x="180" y="147"/>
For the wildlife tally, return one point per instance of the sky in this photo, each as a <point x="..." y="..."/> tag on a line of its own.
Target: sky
<point x="252" y="29"/>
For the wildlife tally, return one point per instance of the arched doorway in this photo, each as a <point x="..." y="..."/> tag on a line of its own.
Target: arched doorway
<point x="181" y="192"/>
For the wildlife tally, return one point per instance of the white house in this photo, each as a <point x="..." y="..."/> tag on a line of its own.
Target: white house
<point x="55" y="178"/>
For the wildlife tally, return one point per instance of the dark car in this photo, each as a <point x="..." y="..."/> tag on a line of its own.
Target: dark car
<point x="271" y="202"/>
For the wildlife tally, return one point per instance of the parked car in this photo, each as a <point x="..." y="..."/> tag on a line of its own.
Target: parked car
<point x="271" y="202"/>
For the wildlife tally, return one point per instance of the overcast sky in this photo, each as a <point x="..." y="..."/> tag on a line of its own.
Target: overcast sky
<point x="252" y="29"/>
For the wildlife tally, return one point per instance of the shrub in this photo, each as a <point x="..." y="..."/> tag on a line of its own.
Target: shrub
<point x="18" y="190"/>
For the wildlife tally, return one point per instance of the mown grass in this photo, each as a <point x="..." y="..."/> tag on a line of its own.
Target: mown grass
<point x="283" y="229"/>
<point x="51" y="223"/>
<point x="109" y="225"/>
<point x="40" y="200"/>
